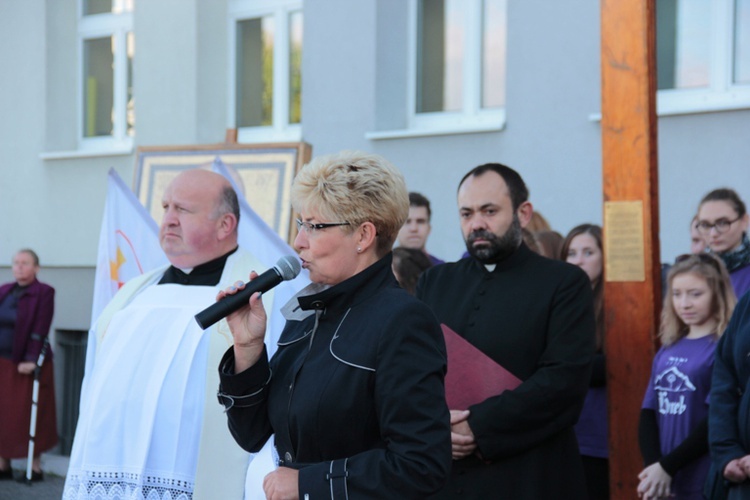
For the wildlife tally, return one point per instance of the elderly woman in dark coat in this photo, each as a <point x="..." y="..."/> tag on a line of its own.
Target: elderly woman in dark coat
<point x="26" y="308"/>
<point x="354" y="393"/>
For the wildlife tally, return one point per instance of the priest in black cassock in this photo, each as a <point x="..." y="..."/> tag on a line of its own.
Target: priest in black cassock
<point x="533" y="316"/>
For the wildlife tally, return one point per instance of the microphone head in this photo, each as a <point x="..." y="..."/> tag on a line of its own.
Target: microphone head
<point x="288" y="267"/>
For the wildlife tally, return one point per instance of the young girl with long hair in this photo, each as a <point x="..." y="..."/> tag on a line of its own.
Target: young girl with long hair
<point x="673" y="427"/>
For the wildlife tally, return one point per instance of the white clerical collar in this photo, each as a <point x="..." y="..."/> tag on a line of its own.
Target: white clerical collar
<point x="490" y="267"/>
<point x="186" y="270"/>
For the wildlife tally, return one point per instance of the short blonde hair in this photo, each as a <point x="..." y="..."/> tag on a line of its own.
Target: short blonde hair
<point x="711" y="269"/>
<point x="354" y="187"/>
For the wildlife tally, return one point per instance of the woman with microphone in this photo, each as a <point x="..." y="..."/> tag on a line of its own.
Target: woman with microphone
<point x="354" y="393"/>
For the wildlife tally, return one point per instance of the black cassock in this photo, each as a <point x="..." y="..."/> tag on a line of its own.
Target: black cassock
<point x="534" y="316"/>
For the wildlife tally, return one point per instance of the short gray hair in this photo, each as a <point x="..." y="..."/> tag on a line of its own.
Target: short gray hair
<point x="355" y="187"/>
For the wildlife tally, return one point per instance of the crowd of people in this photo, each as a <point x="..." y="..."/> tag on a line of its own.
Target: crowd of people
<point x="700" y="292"/>
<point x="351" y="393"/>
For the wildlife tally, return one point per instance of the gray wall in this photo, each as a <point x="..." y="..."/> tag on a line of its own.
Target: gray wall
<point x="25" y="186"/>
<point x="338" y="80"/>
<point x="548" y="136"/>
<point x="698" y="153"/>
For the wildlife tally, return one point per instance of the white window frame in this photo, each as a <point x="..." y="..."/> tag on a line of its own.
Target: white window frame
<point x="240" y="10"/>
<point x="721" y="93"/>
<point x="472" y="118"/>
<point x="99" y="26"/>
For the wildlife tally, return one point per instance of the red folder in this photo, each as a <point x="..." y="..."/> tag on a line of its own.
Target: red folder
<point x="472" y="375"/>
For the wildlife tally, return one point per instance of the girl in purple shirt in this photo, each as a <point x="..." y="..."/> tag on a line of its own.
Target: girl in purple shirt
<point x="673" y="426"/>
<point x="582" y="247"/>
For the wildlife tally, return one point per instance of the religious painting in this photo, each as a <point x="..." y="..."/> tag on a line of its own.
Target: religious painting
<point x="262" y="172"/>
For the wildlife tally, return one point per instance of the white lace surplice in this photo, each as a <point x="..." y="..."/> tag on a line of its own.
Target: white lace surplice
<point x="145" y="411"/>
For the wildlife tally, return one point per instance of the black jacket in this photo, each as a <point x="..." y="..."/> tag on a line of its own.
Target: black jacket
<point x="729" y="408"/>
<point x="356" y="402"/>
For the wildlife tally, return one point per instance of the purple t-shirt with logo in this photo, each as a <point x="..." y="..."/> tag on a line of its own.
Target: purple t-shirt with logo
<point x="678" y="392"/>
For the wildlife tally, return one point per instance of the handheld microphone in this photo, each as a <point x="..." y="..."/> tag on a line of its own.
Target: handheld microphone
<point x="286" y="268"/>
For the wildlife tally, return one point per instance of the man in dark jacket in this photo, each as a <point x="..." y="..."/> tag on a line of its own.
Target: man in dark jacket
<point x="531" y="315"/>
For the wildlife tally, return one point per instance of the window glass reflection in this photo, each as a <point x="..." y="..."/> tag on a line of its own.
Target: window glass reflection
<point x="493" y="53"/>
<point x="683" y="43"/>
<point x="742" y="42"/>
<point x="440" y="55"/>
<point x="92" y="7"/>
<point x="254" y="85"/>
<point x="295" y="67"/>
<point x="130" y="105"/>
<point x="98" y="99"/>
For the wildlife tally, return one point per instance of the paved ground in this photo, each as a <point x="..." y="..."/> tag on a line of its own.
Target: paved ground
<point x="54" y="467"/>
<point x="49" y="489"/>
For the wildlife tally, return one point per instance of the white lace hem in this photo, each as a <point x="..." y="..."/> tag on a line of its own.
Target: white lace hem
<point x="125" y="486"/>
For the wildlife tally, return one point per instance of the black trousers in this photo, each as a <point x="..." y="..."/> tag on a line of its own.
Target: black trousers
<point x="596" y="471"/>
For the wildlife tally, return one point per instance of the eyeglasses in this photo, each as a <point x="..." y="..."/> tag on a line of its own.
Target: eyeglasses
<point x="721" y="225"/>
<point x="311" y="227"/>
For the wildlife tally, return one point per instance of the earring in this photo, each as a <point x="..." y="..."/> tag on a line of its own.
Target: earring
<point x="359" y="249"/>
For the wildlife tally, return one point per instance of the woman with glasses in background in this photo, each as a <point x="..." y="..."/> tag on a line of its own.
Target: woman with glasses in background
<point x="723" y="223"/>
<point x="355" y="393"/>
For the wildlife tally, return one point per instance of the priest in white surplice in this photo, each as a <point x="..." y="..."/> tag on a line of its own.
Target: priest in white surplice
<point x="149" y="425"/>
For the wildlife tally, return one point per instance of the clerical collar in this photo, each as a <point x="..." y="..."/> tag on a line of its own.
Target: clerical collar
<point x="206" y="274"/>
<point x="514" y="259"/>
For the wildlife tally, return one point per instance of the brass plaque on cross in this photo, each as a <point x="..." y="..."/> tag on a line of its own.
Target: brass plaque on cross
<point x="623" y="241"/>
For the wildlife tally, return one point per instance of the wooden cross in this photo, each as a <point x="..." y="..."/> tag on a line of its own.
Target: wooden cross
<point x="632" y="288"/>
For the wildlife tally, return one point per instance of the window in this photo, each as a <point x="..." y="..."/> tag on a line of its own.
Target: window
<point x="107" y="47"/>
<point x="703" y="55"/>
<point x="266" y="69"/>
<point x="458" y="63"/>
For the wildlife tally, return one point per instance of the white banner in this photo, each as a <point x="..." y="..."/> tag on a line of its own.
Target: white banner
<point x="128" y="243"/>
